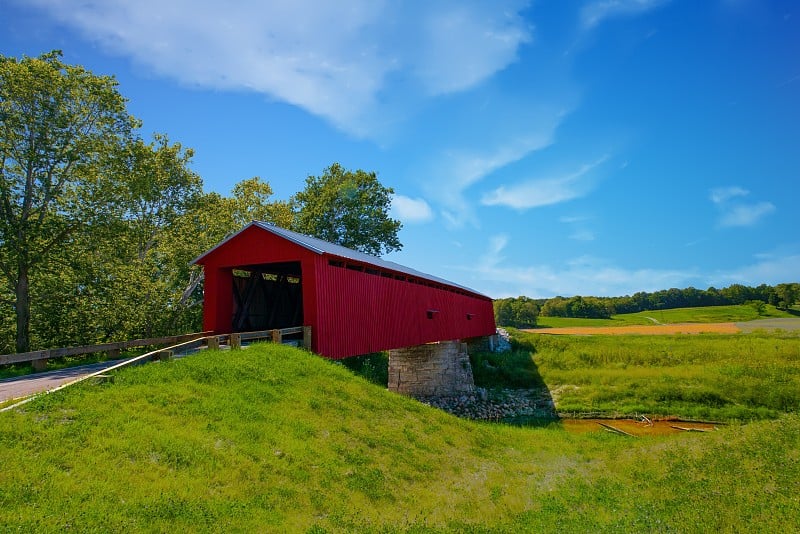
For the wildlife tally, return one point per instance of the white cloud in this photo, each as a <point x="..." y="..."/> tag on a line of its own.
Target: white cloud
<point x="333" y="59"/>
<point x="746" y="215"/>
<point x="582" y="235"/>
<point x="735" y="213"/>
<point x="544" y="191"/>
<point x="769" y="269"/>
<point x="462" y="169"/>
<point x="411" y="210"/>
<point x="723" y="194"/>
<point x="584" y="275"/>
<point x="588" y="275"/>
<point x="596" y="12"/>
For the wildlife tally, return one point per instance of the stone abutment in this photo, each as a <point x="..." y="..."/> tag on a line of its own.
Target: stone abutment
<point x="439" y="369"/>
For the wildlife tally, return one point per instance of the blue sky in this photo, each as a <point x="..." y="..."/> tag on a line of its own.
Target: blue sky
<point x="596" y="147"/>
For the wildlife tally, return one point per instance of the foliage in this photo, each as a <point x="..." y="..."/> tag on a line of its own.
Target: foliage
<point x="57" y="122"/>
<point x="274" y="439"/>
<point x="347" y="208"/>
<point x="520" y="312"/>
<point x="373" y="367"/>
<point x="782" y="296"/>
<point x="98" y="228"/>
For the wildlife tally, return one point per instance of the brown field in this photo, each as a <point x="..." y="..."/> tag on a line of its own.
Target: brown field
<point x="651" y="330"/>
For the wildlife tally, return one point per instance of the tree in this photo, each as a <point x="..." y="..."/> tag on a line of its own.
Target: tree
<point x="56" y="122"/>
<point x="250" y="201"/>
<point x="348" y="208"/>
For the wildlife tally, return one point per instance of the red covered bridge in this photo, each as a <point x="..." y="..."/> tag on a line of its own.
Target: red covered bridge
<point x="266" y="277"/>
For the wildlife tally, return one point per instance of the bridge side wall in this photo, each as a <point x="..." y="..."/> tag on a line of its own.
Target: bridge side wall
<point x="432" y="370"/>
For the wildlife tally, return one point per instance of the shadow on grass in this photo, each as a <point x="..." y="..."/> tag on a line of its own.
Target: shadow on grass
<point x="514" y="375"/>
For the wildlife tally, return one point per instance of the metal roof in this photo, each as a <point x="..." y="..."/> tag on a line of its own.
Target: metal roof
<point x="324" y="247"/>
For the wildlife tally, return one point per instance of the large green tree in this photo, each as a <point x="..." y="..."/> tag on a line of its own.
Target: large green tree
<point x="350" y="208"/>
<point x="57" y="121"/>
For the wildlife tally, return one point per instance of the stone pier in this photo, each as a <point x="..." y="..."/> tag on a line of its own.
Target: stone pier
<point x="432" y="370"/>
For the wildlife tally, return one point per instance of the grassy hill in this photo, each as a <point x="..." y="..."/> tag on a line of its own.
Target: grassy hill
<point x="275" y="439"/>
<point x="706" y="314"/>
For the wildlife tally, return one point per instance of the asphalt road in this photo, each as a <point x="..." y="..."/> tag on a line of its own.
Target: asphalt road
<point x="12" y="388"/>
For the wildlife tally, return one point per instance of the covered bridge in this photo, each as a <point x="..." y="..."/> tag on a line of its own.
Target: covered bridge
<point x="266" y="277"/>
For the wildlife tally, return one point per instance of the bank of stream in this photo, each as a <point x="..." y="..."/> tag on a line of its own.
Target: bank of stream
<point x="535" y="408"/>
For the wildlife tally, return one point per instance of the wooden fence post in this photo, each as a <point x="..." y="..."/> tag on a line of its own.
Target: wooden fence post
<point x="39" y="365"/>
<point x="276" y="336"/>
<point x="307" y="337"/>
<point x="164" y="355"/>
<point x="236" y="341"/>
<point x="213" y="343"/>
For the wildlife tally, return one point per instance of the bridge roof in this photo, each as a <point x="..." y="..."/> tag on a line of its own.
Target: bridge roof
<point x="320" y="246"/>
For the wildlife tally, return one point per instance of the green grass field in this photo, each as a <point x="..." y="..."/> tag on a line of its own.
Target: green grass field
<point x="709" y="314"/>
<point x="711" y="376"/>
<point x="273" y="439"/>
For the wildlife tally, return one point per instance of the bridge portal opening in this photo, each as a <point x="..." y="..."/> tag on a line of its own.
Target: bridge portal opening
<point x="267" y="296"/>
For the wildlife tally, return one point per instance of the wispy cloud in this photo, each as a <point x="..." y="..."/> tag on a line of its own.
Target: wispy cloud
<point x="588" y="275"/>
<point x="333" y="59"/>
<point x="544" y="191"/>
<point x="461" y="169"/>
<point x="773" y="268"/>
<point x="411" y="210"/>
<point x="596" y="12"/>
<point x="734" y="212"/>
<point x="582" y="235"/>
<point x="723" y="194"/>
<point x="580" y="276"/>
<point x="746" y="214"/>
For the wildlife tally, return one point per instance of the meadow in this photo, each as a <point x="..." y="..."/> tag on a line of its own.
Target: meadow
<point x="705" y="376"/>
<point x="707" y="314"/>
<point x="274" y="439"/>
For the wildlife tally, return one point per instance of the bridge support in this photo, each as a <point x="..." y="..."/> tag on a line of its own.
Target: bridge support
<point x="432" y="370"/>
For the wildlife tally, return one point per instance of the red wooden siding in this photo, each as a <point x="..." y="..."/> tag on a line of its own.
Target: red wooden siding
<point x="351" y="312"/>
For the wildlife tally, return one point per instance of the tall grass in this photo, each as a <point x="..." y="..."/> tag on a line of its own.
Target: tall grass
<point x="273" y="439"/>
<point x="709" y="376"/>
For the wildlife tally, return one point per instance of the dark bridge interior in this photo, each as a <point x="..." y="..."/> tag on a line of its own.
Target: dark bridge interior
<point x="267" y="296"/>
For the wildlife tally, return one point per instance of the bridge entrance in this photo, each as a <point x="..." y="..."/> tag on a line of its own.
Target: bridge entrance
<point x="267" y="296"/>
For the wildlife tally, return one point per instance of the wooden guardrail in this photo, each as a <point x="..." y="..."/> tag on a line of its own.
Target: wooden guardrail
<point x="40" y="357"/>
<point x="212" y="341"/>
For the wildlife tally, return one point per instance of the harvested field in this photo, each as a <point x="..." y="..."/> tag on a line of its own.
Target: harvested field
<point x="651" y="330"/>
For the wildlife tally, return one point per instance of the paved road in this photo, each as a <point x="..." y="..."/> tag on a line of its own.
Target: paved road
<point x="12" y="388"/>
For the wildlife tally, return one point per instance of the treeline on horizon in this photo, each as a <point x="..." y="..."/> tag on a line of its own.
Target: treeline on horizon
<point x="523" y="311"/>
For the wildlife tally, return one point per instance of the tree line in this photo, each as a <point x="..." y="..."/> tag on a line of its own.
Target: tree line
<point x="98" y="226"/>
<point x="523" y="311"/>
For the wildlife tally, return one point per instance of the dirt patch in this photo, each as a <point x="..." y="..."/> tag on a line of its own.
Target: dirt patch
<point x="634" y="427"/>
<point x="651" y="330"/>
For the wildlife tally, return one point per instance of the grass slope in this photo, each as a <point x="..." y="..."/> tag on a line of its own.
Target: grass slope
<point x="707" y="314"/>
<point x="275" y="439"/>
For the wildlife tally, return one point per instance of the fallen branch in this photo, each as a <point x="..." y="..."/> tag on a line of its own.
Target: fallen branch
<point x="687" y="429"/>
<point x="616" y="430"/>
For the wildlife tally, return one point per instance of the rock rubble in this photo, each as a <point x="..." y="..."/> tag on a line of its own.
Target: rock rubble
<point x="497" y="404"/>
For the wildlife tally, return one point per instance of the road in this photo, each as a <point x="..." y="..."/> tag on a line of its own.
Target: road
<point x="12" y="388"/>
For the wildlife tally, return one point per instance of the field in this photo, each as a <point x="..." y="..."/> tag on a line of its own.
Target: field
<point x="643" y="329"/>
<point x="273" y="439"/>
<point x="712" y="376"/>
<point x="709" y="314"/>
